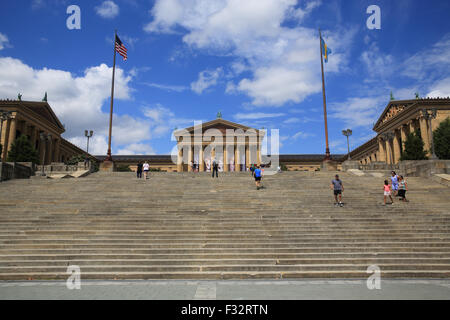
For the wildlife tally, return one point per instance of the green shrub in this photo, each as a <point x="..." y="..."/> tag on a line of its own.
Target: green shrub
<point x="414" y="148"/>
<point x="22" y="151"/>
<point x="441" y="139"/>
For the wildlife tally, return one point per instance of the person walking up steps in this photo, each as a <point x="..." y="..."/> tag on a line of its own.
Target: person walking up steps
<point x="338" y="187"/>
<point x="258" y="177"/>
<point x="146" y="167"/>
<point x="139" y="170"/>
<point x="215" y="168"/>
<point x="387" y="192"/>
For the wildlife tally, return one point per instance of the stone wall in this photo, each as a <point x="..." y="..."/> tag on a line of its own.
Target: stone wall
<point x="424" y="168"/>
<point x="16" y="170"/>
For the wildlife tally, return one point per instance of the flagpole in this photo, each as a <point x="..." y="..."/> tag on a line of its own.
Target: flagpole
<point x="109" y="156"/>
<point x="327" y="151"/>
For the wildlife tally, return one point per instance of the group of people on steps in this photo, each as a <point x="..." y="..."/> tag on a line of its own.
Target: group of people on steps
<point x="397" y="187"/>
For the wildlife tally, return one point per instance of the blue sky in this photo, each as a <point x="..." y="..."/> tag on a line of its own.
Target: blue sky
<point x="256" y="61"/>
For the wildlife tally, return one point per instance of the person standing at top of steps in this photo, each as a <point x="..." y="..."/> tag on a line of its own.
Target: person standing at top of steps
<point x="139" y="170"/>
<point x="258" y="177"/>
<point x="215" y="168"/>
<point x="387" y="192"/>
<point x="338" y="187"/>
<point x="146" y="167"/>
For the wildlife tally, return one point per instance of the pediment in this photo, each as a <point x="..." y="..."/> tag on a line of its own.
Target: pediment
<point x="44" y="110"/>
<point x="392" y="112"/>
<point x="219" y="124"/>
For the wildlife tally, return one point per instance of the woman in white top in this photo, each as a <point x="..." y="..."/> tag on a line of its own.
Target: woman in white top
<point x="146" y="168"/>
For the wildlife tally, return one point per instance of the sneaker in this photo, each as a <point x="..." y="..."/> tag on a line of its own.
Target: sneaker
<point x="336" y="204"/>
<point x="341" y="204"/>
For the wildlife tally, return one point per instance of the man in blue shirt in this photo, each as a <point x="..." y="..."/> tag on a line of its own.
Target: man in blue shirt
<point x="258" y="177"/>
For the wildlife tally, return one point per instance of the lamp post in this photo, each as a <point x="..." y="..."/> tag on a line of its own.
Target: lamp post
<point x="389" y="136"/>
<point x="4" y="115"/>
<point x="88" y="135"/>
<point x="44" y="138"/>
<point x="348" y="133"/>
<point x="428" y="115"/>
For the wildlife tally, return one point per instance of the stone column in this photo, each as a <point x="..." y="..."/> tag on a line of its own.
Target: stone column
<point x="12" y="133"/>
<point x="424" y="134"/>
<point x="5" y="136"/>
<point x="388" y="152"/>
<point x="237" y="166"/>
<point x="403" y="136"/>
<point x="190" y="158"/>
<point x="411" y="126"/>
<point x="180" y="159"/>
<point x="56" y="152"/>
<point x="201" y="160"/>
<point x="33" y="136"/>
<point x="225" y="158"/>
<point x="258" y="153"/>
<point x="247" y="156"/>
<point x="381" y="150"/>
<point x="397" y="147"/>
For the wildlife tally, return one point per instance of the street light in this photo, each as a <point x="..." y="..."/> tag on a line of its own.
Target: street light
<point x="44" y="138"/>
<point x="429" y="115"/>
<point x="88" y="135"/>
<point x="348" y="133"/>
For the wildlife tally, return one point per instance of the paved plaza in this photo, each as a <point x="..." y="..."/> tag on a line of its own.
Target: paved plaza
<point x="229" y="290"/>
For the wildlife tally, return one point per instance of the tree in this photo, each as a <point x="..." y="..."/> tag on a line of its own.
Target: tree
<point x="414" y="148"/>
<point x="80" y="158"/>
<point x="23" y="151"/>
<point x="441" y="139"/>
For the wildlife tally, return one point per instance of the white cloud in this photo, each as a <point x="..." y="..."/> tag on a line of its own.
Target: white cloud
<point x="167" y="87"/>
<point x="162" y="120"/>
<point x="256" y="116"/>
<point x="440" y="89"/>
<point x="302" y="135"/>
<point x="359" y="112"/>
<point x="283" y="61"/>
<point x="77" y="100"/>
<point x="107" y="10"/>
<point x="206" y="79"/>
<point x="4" y="41"/>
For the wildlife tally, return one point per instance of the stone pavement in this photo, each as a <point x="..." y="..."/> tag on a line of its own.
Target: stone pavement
<point x="228" y="290"/>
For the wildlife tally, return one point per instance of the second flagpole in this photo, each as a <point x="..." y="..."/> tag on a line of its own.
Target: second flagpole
<point x="109" y="156"/>
<point x="327" y="151"/>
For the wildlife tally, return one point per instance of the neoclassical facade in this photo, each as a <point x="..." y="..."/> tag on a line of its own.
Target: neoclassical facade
<point x="235" y="147"/>
<point x="400" y="118"/>
<point x="39" y="123"/>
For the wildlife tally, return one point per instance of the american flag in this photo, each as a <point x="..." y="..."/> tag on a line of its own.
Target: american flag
<point x="120" y="48"/>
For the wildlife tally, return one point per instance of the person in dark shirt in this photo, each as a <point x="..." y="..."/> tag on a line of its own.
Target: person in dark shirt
<point x="139" y="170"/>
<point x="338" y="187"/>
<point x="215" y="168"/>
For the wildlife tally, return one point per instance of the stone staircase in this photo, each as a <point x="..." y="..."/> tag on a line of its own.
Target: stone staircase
<point x="189" y="226"/>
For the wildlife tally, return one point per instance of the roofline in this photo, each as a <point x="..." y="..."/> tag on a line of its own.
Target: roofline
<point x="411" y="103"/>
<point x="231" y="123"/>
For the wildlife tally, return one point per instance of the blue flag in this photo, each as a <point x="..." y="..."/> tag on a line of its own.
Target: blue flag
<point x="325" y="50"/>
